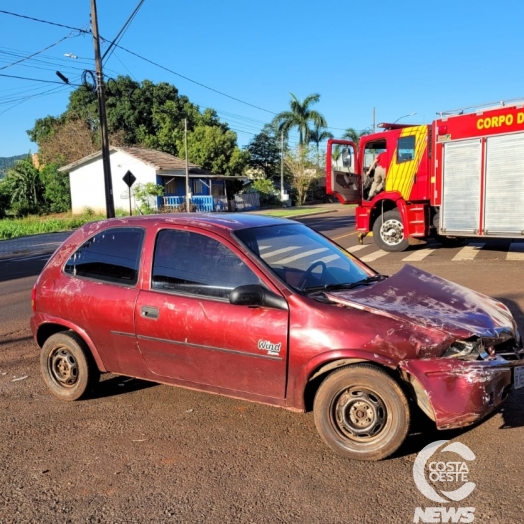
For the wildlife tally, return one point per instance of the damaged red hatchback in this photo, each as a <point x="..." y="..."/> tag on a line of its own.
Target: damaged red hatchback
<point x="267" y="310"/>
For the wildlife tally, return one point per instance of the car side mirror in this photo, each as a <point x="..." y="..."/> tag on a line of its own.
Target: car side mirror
<point x="256" y="295"/>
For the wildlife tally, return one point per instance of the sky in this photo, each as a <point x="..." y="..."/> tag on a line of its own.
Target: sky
<point x="244" y="58"/>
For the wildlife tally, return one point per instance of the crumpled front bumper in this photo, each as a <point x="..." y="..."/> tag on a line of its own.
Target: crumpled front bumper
<point x="457" y="393"/>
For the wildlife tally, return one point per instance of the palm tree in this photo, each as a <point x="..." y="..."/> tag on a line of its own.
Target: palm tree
<point x="352" y="134"/>
<point x="317" y="135"/>
<point x="300" y="116"/>
<point x="26" y="186"/>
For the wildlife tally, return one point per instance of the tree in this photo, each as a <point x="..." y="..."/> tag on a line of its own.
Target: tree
<point x="215" y="150"/>
<point x="147" y="194"/>
<point x="318" y="134"/>
<point x="352" y="134"/>
<point x="300" y="116"/>
<point x="266" y="189"/>
<point x="349" y="134"/>
<point x="25" y="188"/>
<point x="57" y="192"/>
<point x="301" y="167"/>
<point x="145" y="114"/>
<point x="67" y="142"/>
<point x="264" y="153"/>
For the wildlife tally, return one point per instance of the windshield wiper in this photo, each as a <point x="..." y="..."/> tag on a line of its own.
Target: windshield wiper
<point x="335" y="287"/>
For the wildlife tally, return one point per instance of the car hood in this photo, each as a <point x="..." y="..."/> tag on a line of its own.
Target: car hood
<point x="429" y="301"/>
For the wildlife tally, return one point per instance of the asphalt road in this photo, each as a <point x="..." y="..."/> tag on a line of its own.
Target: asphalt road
<point x="141" y="452"/>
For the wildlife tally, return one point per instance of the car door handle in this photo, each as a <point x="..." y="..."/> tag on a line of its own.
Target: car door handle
<point x="149" y="312"/>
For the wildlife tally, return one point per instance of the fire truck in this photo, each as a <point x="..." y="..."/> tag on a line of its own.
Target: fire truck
<point x="461" y="176"/>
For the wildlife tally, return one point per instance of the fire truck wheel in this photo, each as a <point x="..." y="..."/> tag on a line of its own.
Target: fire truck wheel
<point x="388" y="232"/>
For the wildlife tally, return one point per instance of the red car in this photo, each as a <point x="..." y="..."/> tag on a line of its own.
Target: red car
<point x="268" y="310"/>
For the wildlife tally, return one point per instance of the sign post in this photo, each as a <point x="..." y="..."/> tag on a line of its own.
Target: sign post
<point x="129" y="179"/>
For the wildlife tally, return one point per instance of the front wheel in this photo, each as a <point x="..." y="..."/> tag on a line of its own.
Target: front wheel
<point x="388" y="232"/>
<point x="361" y="412"/>
<point x="67" y="366"/>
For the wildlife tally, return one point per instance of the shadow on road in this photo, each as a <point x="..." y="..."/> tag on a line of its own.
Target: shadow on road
<point x="119" y="385"/>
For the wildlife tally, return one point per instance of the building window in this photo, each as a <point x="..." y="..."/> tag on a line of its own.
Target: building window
<point x="198" y="187"/>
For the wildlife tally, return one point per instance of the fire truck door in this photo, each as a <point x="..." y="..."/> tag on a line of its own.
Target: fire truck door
<point x="343" y="179"/>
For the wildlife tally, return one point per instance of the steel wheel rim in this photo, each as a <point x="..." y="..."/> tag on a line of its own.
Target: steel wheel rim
<point x="392" y="232"/>
<point x="359" y="414"/>
<point x="63" y="368"/>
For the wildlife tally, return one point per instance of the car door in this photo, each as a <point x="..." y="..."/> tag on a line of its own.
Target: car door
<point x="189" y="332"/>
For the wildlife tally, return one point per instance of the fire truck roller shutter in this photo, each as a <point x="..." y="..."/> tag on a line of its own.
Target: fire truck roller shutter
<point x="504" y="185"/>
<point x="461" y="187"/>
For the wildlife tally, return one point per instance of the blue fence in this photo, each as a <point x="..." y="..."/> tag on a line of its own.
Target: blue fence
<point x="203" y="203"/>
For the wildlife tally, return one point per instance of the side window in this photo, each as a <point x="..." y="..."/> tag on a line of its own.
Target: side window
<point x="112" y="255"/>
<point x="405" y="149"/>
<point x="196" y="264"/>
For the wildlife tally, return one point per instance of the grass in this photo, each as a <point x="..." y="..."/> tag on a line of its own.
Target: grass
<point x="35" y="225"/>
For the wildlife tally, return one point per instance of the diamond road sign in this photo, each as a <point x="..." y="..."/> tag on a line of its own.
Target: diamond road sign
<point x="129" y="178"/>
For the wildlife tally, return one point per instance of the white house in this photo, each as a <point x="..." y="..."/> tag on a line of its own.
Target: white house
<point x="86" y="178"/>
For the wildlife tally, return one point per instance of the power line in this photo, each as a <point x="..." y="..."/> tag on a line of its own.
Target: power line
<point x="44" y="21"/>
<point x="43" y="93"/>
<point x="190" y="80"/>
<point x="37" y="53"/>
<point x="122" y="31"/>
<point x="36" y="79"/>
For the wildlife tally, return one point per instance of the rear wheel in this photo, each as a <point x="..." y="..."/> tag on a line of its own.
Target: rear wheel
<point x="67" y="366"/>
<point x="388" y="232"/>
<point x="361" y="412"/>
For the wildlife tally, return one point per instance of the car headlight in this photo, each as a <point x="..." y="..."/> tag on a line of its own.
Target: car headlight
<point x="464" y="350"/>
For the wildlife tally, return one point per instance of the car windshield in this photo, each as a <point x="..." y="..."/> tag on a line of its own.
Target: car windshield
<point x="304" y="259"/>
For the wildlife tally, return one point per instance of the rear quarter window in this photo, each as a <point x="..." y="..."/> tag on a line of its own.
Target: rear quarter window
<point x="113" y="255"/>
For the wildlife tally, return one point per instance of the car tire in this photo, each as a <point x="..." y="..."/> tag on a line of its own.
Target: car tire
<point x="361" y="412"/>
<point x="67" y="366"/>
<point x="388" y="232"/>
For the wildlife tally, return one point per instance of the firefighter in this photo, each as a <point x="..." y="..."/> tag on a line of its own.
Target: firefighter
<point x="379" y="177"/>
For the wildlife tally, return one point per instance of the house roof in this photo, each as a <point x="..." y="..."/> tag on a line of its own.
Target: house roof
<point x="159" y="160"/>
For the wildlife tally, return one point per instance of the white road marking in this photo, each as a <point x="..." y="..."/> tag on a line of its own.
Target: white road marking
<point x="373" y="256"/>
<point x="326" y="260"/>
<point x="302" y="255"/>
<point x="280" y="251"/>
<point x="418" y="255"/>
<point x="469" y="252"/>
<point x="516" y="251"/>
<point x="353" y="249"/>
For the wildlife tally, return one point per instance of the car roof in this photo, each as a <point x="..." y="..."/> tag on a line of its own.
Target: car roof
<point x="211" y="221"/>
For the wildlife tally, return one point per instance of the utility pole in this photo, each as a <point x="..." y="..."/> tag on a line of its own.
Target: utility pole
<point x="373" y="120"/>
<point x="108" y="183"/>
<point x="188" y="208"/>
<point x="282" y="167"/>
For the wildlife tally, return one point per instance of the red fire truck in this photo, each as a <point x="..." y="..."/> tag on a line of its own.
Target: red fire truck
<point x="460" y="176"/>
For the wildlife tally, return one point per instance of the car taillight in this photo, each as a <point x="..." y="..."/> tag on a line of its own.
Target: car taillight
<point x="33" y="299"/>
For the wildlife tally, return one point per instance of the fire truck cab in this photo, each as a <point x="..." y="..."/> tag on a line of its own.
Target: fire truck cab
<point x="460" y="176"/>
